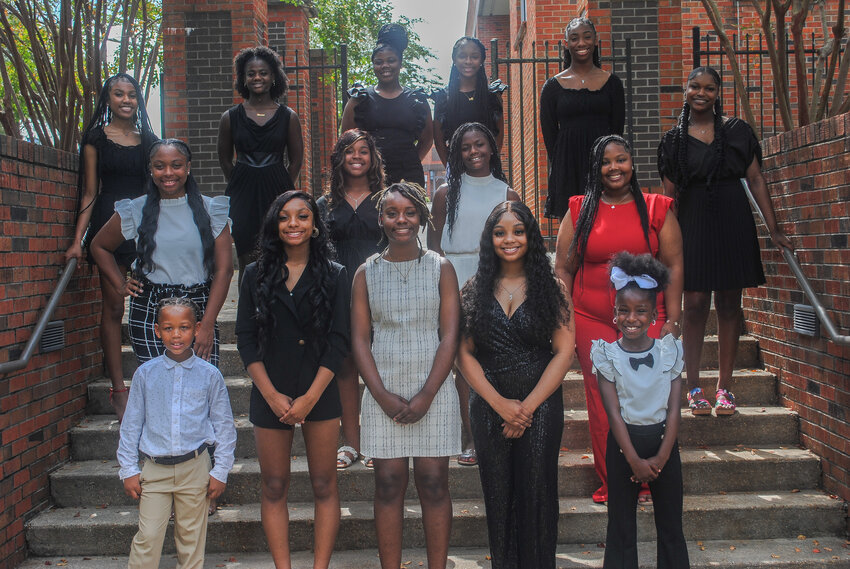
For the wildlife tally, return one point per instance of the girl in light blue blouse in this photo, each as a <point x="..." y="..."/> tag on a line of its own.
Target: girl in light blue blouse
<point x="641" y="387"/>
<point x="183" y="247"/>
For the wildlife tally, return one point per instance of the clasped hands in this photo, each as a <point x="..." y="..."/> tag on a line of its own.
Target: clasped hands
<point x="402" y="411"/>
<point x="646" y="469"/>
<point x="290" y="411"/>
<point x="517" y="418"/>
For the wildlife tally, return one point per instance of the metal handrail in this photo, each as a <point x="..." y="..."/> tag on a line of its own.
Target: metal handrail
<point x="46" y="314"/>
<point x="794" y="264"/>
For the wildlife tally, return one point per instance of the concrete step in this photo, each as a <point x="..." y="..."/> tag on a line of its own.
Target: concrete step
<point x="730" y="469"/>
<point x="109" y="530"/>
<point x="96" y="437"/>
<point x="227" y="323"/>
<point x="750" y="386"/>
<point x="813" y="552"/>
<point x="230" y="363"/>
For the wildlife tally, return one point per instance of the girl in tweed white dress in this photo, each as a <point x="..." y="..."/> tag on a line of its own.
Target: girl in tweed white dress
<point x="404" y="334"/>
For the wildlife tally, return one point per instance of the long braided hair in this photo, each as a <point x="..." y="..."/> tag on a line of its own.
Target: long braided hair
<point x="593" y="195"/>
<point x="680" y="140"/>
<point x="271" y="263"/>
<point x="481" y="93"/>
<point x="456" y="167"/>
<point x="545" y="301"/>
<point x="150" y="214"/>
<point x="101" y="117"/>
<point x="375" y="174"/>
<point x="417" y="196"/>
<point x="574" y="23"/>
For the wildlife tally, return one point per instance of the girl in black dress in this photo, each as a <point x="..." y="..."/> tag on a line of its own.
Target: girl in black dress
<point x="259" y="130"/>
<point x="701" y="162"/>
<point x="517" y="345"/>
<point x="113" y="166"/>
<point x="577" y="106"/>
<point x="292" y="333"/>
<point x="467" y="98"/>
<point x="398" y="117"/>
<point x="348" y="210"/>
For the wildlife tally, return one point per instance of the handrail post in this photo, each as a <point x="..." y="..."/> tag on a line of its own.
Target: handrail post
<point x="24" y="359"/>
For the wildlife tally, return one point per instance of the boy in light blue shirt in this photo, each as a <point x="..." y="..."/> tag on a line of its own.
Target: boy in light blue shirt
<point x="178" y="414"/>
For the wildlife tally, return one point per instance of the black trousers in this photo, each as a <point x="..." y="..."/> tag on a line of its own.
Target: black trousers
<point x="621" y="543"/>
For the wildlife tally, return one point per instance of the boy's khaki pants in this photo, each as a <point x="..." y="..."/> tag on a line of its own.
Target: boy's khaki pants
<point x="186" y="484"/>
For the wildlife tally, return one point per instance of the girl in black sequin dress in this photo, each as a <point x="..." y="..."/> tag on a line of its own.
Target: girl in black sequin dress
<point x="517" y="345"/>
<point x="113" y="166"/>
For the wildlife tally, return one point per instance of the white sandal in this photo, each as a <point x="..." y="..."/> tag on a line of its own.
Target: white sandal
<point x="345" y="457"/>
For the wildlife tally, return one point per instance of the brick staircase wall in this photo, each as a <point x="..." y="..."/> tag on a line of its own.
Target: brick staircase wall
<point x="806" y="171"/>
<point x="41" y="403"/>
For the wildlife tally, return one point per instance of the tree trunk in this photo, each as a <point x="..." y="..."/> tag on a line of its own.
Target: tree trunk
<point x="798" y="20"/>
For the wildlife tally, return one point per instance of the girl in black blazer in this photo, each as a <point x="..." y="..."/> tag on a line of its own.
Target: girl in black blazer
<point x="292" y="332"/>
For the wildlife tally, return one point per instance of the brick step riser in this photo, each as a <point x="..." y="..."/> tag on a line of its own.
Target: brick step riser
<point x="230" y="363"/>
<point x="227" y="328"/>
<point x="469" y="529"/>
<point x="70" y="490"/>
<point x="750" y="389"/>
<point x="750" y="429"/>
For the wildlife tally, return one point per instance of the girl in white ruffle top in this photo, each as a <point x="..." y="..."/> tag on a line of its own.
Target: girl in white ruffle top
<point x="640" y="383"/>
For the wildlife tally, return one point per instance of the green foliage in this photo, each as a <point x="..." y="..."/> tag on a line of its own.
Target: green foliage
<point x="356" y="24"/>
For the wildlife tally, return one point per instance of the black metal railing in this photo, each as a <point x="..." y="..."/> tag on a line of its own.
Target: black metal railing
<point x="752" y="55"/>
<point x="320" y="81"/>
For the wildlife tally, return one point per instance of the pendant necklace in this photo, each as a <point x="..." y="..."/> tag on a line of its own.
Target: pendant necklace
<point x="357" y="200"/>
<point x="511" y="292"/>
<point x="403" y="275"/>
<point x="620" y="202"/>
<point x="468" y="96"/>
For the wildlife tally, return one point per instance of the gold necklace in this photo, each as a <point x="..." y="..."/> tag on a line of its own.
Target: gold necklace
<point x="615" y="204"/>
<point x="468" y="96"/>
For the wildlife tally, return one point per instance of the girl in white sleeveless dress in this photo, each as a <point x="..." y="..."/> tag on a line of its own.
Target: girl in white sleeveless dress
<point x="405" y="316"/>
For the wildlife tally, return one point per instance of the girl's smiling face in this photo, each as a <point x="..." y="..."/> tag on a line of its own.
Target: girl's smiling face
<point x="701" y="92"/>
<point x="357" y="159"/>
<point x="581" y="41"/>
<point x="387" y="65"/>
<point x="258" y="76"/>
<point x="468" y="59"/>
<point x="295" y="223"/>
<point x="616" y="169"/>
<point x="510" y="240"/>
<point x="634" y="311"/>
<point x="169" y="171"/>
<point x="475" y="152"/>
<point x="400" y="218"/>
<point x="123" y="99"/>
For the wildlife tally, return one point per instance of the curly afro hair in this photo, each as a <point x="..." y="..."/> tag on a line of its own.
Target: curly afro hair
<point x="637" y="265"/>
<point x="281" y="82"/>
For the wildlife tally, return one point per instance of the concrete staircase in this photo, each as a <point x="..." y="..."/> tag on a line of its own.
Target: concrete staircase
<point x="751" y="493"/>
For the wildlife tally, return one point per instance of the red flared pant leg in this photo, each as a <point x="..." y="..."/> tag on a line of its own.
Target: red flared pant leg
<point x="587" y="330"/>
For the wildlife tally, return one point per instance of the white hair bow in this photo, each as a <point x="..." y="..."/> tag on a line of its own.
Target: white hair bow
<point x="621" y="279"/>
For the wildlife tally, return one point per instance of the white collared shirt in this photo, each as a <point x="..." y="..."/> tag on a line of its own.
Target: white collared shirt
<point x="174" y="408"/>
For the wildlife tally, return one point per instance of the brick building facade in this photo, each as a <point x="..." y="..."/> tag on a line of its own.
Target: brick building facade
<point x="39" y="404"/>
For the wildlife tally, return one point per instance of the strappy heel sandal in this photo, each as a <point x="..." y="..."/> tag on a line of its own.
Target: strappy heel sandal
<point x="725" y="403"/>
<point x="697" y="402"/>
<point x="345" y="457"/>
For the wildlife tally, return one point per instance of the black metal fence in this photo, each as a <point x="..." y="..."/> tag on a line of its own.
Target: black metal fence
<point x="752" y="55"/>
<point x="318" y="91"/>
<point x="522" y="74"/>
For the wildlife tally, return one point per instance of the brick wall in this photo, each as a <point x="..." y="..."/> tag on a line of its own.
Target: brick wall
<point x="39" y="404"/>
<point x="806" y="170"/>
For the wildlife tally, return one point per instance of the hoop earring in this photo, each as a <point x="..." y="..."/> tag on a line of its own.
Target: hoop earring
<point x="315" y="232"/>
<point x="653" y="321"/>
<point x="615" y="320"/>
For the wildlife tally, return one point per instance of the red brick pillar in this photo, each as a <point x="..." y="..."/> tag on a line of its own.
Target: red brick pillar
<point x="200" y="41"/>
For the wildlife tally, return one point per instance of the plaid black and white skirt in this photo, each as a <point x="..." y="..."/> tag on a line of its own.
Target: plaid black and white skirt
<point x="142" y="316"/>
